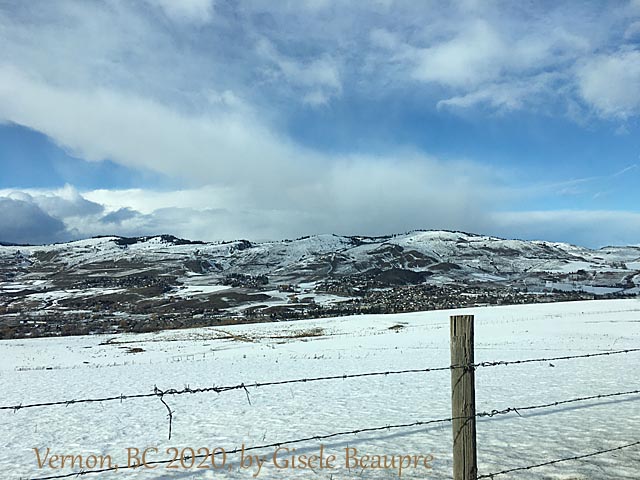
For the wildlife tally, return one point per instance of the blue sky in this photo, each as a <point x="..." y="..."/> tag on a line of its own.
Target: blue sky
<point x="216" y="119"/>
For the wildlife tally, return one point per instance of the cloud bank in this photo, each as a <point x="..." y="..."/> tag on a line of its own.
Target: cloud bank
<point x="208" y="213"/>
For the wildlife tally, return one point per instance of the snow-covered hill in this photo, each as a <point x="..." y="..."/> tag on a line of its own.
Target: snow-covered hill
<point x="323" y="255"/>
<point x="165" y="275"/>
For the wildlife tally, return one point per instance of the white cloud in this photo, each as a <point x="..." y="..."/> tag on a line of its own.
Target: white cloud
<point x="351" y="195"/>
<point x="472" y="52"/>
<point x="66" y="202"/>
<point x="316" y="98"/>
<point x="61" y="203"/>
<point x="386" y="203"/>
<point x="248" y="169"/>
<point x="193" y="11"/>
<point x="477" y="54"/>
<point x="147" y="201"/>
<point x="611" y="83"/>
<point x="505" y="97"/>
<point x="141" y="133"/>
<point x="485" y="61"/>
<point x="321" y="74"/>
<point x="272" y="55"/>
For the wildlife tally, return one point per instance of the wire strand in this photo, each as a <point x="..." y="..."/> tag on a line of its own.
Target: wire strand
<point x="553" y="462"/>
<point x="244" y="386"/>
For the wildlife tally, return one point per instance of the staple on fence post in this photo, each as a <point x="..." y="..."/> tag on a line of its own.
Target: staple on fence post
<point x="463" y="398"/>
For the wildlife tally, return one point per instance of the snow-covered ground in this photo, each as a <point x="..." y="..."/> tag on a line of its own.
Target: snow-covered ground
<point x="40" y="370"/>
<point x="188" y="291"/>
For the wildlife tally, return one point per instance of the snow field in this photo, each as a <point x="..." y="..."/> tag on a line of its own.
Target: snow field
<point x="81" y="367"/>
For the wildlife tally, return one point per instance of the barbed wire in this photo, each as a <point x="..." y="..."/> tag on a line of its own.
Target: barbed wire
<point x="488" y="414"/>
<point x="221" y="389"/>
<point x="553" y="462"/>
<point x="245" y="386"/>
<point x="493" y="413"/>
<point x="483" y="414"/>
<point x="553" y="359"/>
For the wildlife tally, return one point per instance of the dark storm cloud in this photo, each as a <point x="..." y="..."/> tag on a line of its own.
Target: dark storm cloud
<point x="25" y="222"/>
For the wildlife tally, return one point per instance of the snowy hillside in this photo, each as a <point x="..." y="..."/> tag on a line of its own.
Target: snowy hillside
<point x="42" y="370"/>
<point x="322" y="255"/>
<point x="149" y="283"/>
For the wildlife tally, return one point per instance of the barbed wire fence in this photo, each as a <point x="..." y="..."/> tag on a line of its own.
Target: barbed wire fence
<point x="486" y="414"/>
<point x="245" y="386"/>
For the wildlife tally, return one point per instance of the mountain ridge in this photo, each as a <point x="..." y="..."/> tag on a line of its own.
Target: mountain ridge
<point x="159" y="281"/>
<point x="171" y="237"/>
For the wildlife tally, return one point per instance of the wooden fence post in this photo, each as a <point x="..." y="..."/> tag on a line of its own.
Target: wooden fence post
<point x="463" y="399"/>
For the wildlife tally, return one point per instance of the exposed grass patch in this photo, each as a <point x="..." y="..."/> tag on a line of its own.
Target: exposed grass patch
<point x="397" y="327"/>
<point x="312" y="332"/>
<point x="135" y="350"/>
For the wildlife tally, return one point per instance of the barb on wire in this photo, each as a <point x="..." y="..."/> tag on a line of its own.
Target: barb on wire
<point x="492" y="413"/>
<point x="247" y="392"/>
<point x="553" y="462"/>
<point x="160" y="394"/>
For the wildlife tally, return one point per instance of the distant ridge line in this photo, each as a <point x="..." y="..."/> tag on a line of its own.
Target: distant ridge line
<point x="169" y="238"/>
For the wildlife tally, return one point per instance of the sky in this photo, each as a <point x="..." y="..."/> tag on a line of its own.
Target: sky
<point x="227" y="119"/>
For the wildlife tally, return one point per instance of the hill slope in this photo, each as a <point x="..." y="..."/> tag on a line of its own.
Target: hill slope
<point x="162" y="281"/>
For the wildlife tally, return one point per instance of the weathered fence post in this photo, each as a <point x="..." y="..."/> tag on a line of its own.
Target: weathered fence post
<point x="463" y="399"/>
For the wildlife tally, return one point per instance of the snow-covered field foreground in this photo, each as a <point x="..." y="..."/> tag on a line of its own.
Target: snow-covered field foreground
<point x="44" y="370"/>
